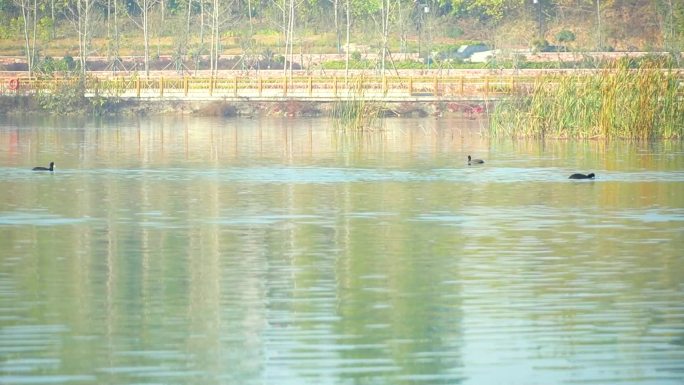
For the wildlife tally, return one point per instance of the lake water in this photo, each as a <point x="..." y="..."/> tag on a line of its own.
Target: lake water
<point x="275" y="251"/>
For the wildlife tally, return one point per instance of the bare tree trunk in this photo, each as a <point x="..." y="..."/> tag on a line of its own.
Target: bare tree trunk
<point x="286" y="34"/>
<point x="213" y="54"/>
<point x="385" y="31"/>
<point x="145" y="7"/>
<point x="35" y="27"/>
<point x="116" y="34"/>
<point x="337" y="24"/>
<point x="78" y="14"/>
<point x="598" y="22"/>
<point x="402" y="24"/>
<point x="211" y="40"/>
<point x="285" y="25"/>
<point x="249" y="45"/>
<point x="201" y="46"/>
<point x="187" y="24"/>
<point x="83" y="17"/>
<point x="79" y="31"/>
<point x="201" y="24"/>
<point x="346" y="56"/>
<point x="26" y="18"/>
<point x="109" y="27"/>
<point x="112" y="38"/>
<point x="146" y="35"/>
<point x="292" y="21"/>
<point x="289" y="36"/>
<point x="249" y="13"/>
<point x="52" y="16"/>
<point x="29" y="16"/>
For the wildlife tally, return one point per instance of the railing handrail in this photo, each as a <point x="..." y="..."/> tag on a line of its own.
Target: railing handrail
<point x="488" y="86"/>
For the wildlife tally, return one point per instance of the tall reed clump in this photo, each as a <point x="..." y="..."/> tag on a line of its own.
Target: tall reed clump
<point x="646" y="102"/>
<point x="356" y="114"/>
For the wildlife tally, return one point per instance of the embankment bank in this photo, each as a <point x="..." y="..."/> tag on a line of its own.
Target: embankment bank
<point x="63" y="105"/>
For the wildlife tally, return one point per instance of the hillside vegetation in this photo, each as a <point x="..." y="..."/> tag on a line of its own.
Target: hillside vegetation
<point x="198" y="33"/>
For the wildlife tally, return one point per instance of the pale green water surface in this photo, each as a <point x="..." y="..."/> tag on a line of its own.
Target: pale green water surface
<point x="256" y="251"/>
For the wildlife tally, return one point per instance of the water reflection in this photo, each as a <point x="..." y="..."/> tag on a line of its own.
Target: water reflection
<point x="192" y="251"/>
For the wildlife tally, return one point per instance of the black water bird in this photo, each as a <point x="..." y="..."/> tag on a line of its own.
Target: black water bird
<point x="51" y="168"/>
<point x="582" y="176"/>
<point x="474" y="161"/>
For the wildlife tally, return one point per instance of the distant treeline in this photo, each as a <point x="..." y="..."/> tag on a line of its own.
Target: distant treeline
<point x="276" y="31"/>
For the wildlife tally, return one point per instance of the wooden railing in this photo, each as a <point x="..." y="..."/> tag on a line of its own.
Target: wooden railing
<point x="322" y="88"/>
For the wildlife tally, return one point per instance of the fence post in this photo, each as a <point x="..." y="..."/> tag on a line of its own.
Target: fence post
<point x="285" y="86"/>
<point x="235" y="85"/>
<point x="335" y="86"/>
<point x="186" y="85"/>
<point x="260" y="85"/>
<point x="310" y="86"/>
<point x="161" y="87"/>
<point x="486" y="87"/>
<point x="384" y="85"/>
<point x="211" y="85"/>
<point x="410" y="86"/>
<point x="137" y="86"/>
<point x="436" y="85"/>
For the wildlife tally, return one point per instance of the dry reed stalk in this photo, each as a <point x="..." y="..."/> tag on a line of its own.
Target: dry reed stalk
<point x="617" y="102"/>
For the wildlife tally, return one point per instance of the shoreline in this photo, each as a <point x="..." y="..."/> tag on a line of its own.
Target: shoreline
<point x="17" y="105"/>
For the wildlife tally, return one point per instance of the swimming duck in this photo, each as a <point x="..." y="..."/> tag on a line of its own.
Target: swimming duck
<point x="582" y="176"/>
<point x="474" y="161"/>
<point x="51" y="168"/>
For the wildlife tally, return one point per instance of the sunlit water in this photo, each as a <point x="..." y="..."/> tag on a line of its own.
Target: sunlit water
<point x="203" y="251"/>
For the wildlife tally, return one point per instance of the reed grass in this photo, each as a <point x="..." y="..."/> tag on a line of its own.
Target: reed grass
<point x="356" y="114"/>
<point x="646" y="102"/>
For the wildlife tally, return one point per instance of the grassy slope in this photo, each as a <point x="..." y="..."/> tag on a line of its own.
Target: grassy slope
<point x="628" y="28"/>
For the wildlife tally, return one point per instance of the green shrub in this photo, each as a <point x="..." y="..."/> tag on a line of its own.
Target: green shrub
<point x="565" y="36"/>
<point x="66" y="98"/>
<point x="268" y="32"/>
<point x="454" y="32"/>
<point x="44" y="29"/>
<point x="540" y="45"/>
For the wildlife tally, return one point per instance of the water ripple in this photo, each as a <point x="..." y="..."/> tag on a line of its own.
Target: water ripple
<point x="326" y="175"/>
<point x="36" y="218"/>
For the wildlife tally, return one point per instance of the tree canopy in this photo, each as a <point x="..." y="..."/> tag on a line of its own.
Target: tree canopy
<point x="193" y="28"/>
